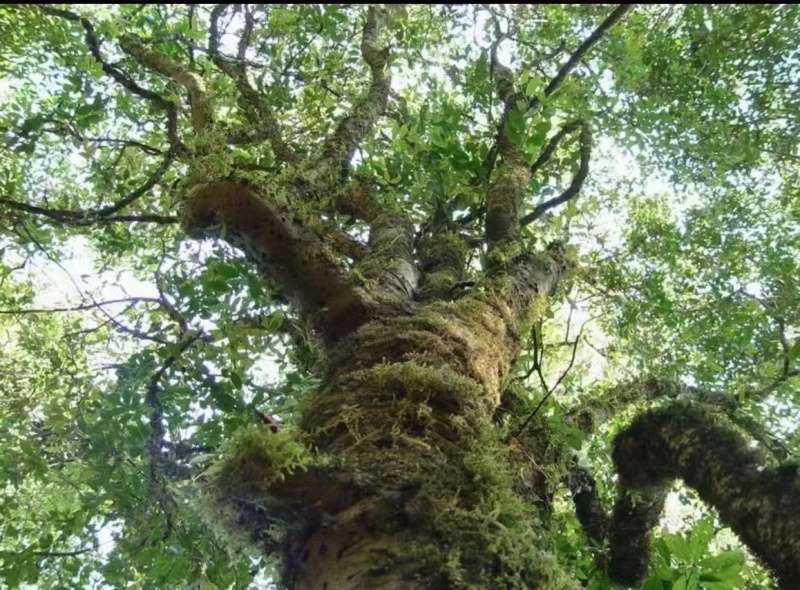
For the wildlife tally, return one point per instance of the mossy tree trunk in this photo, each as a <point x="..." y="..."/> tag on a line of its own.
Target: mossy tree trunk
<point x="398" y="474"/>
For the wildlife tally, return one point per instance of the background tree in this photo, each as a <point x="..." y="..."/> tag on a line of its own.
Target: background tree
<point x="418" y="338"/>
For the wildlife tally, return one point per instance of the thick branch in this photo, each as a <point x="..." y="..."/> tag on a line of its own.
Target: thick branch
<point x="761" y="504"/>
<point x="600" y="409"/>
<point x="263" y="122"/>
<point x="202" y="113"/>
<point x="588" y="507"/>
<point x="285" y="251"/>
<point x="390" y="263"/>
<point x="574" y="59"/>
<point x="504" y="198"/>
<point x="630" y="531"/>
<point x="337" y="150"/>
<point x="443" y="256"/>
<point x="577" y="180"/>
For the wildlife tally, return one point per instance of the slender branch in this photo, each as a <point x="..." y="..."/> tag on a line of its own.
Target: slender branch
<point x="118" y="75"/>
<point x="337" y="150"/>
<point x="558" y="382"/>
<point x="554" y="142"/>
<point x="155" y="445"/>
<point x="104" y="214"/>
<point x="612" y="19"/>
<point x="574" y="187"/>
<point x="83" y="307"/>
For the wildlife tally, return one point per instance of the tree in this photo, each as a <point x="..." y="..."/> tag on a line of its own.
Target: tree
<point x="374" y="193"/>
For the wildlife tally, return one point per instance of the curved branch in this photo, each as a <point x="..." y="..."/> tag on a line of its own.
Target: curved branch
<point x="199" y="102"/>
<point x="103" y="215"/>
<point x="760" y="504"/>
<point x="577" y="180"/>
<point x="551" y="146"/>
<point x="284" y="250"/>
<point x="337" y="150"/>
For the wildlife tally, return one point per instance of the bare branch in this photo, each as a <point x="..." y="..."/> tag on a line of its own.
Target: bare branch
<point x="551" y="146"/>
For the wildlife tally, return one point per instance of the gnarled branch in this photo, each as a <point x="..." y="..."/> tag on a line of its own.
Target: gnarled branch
<point x="263" y="123"/>
<point x="760" y="504"/>
<point x="200" y="104"/>
<point x="285" y="251"/>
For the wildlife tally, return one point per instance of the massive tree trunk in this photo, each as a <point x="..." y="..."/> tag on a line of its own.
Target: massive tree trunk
<point x="398" y="474"/>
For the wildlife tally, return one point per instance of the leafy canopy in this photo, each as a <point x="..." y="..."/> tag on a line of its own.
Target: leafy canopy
<point x="687" y="227"/>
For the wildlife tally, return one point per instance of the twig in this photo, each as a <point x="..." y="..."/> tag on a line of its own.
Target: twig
<point x="119" y="75"/>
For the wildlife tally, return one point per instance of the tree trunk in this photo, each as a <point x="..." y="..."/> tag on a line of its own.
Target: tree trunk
<point x="398" y="477"/>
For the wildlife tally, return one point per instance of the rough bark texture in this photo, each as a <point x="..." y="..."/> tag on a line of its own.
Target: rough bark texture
<point x="397" y="475"/>
<point x="425" y="494"/>
<point x="759" y="503"/>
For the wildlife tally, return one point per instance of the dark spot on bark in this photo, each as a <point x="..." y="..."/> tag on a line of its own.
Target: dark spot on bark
<point x="323" y="550"/>
<point x="305" y="556"/>
<point x="325" y="585"/>
<point x="320" y="303"/>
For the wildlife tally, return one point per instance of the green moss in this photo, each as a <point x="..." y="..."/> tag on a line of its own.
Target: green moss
<point x="237" y="489"/>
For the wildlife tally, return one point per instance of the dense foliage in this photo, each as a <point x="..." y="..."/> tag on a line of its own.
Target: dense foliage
<point x="131" y="354"/>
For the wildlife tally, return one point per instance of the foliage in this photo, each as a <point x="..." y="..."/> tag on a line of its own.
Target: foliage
<point x="688" y="231"/>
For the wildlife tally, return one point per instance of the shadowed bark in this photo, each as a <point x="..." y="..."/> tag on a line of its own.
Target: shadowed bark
<point x="761" y="504"/>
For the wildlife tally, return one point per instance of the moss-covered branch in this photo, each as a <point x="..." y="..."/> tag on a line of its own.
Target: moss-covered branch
<point x="505" y="196"/>
<point x="337" y="150"/>
<point x="588" y="507"/>
<point x="761" y="504"/>
<point x="284" y="250"/>
<point x="442" y="255"/>
<point x="262" y="121"/>
<point x="389" y="269"/>
<point x="597" y="410"/>
<point x="201" y="109"/>
<point x="630" y="529"/>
